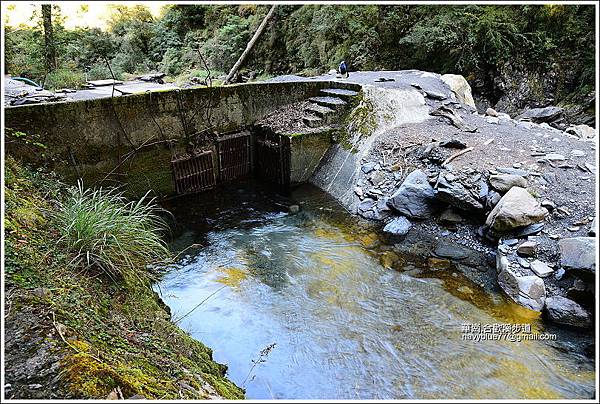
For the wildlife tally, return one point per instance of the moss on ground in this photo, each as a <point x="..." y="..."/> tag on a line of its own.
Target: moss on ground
<point x="111" y="335"/>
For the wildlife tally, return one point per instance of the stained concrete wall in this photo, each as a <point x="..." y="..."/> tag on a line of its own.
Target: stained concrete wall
<point x="95" y="138"/>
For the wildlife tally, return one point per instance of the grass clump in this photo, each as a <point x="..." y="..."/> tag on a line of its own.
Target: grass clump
<point x="113" y="335"/>
<point x="64" y="78"/>
<point x="104" y="231"/>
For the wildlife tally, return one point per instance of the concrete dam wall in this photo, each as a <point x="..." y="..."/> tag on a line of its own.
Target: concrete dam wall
<point x="132" y="140"/>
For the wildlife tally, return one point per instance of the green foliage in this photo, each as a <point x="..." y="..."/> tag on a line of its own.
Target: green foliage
<point x="103" y="231"/>
<point x="473" y="40"/>
<point x="64" y="78"/>
<point x="115" y="334"/>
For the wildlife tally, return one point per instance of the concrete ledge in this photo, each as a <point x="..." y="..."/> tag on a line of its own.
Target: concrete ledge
<point x="92" y="137"/>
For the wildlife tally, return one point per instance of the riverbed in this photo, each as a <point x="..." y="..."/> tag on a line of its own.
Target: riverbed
<point x="306" y="305"/>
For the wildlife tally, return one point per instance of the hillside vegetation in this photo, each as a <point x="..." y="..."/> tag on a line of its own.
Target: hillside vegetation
<point x="78" y="324"/>
<point x="484" y="43"/>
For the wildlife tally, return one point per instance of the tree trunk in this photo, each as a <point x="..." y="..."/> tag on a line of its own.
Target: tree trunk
<point x="245" y="54"/>
<point x="49" y="45"/>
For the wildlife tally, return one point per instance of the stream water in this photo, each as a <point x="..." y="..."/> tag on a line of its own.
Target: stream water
<point x="309" y="290"/>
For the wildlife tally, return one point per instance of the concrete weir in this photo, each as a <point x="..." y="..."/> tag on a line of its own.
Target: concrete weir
<point x="153" y="140"/>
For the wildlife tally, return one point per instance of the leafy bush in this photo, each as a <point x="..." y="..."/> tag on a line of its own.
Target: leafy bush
<point x="64" y="78"/>
<point x="100" y="71"/>
<point x="106" y="232"/>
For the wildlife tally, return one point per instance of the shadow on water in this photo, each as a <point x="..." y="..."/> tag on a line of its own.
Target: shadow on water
<point x="320" y="286"/>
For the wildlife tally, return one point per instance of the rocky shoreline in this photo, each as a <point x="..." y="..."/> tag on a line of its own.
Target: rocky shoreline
<point x="519" y="191"/>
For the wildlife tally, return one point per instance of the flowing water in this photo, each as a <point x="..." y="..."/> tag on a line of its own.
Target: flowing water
<point x="301" y="306"/>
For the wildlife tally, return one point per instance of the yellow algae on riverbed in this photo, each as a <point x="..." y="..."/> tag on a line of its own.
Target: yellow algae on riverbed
<point x="232" y="276"/>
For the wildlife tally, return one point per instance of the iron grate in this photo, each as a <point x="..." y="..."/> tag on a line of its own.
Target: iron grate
<point x="193" y="173"/>
<point x="234" y="156"/>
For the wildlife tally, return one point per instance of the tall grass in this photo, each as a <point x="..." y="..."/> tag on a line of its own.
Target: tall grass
<point x="102" y="230"/>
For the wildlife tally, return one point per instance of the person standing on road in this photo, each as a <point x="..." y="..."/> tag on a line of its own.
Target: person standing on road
<point x="343" y="69"/>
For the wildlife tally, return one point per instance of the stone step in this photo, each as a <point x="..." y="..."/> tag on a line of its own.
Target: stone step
<point x="330" y="102"/>
<point x="312" y="121"/>
<point x="319" y="110"/>
<point x="339" y="92"/>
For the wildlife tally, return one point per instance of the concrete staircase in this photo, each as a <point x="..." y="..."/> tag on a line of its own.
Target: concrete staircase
<point x="328" y="107"/>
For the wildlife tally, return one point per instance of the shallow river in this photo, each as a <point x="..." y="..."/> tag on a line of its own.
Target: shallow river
<point x="309" y="291"/>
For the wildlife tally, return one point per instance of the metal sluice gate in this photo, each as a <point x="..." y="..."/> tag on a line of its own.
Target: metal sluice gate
<point x="234" y="156"/>
<point x="230" y="157"/>
<point x="193" y="172"/>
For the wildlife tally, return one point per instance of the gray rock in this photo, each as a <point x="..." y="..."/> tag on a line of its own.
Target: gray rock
<point x="548" y="204"/>
<point x="483" y="190"/>
<point x="415" y="197"/>
<point x="510" y="242"/>
<point x="492" y="199"/>
<point x="294" y="209"/>
<point x="559" y="273"/>
<point x="565" y="311"/>
<point x="513" y="171"/>
<point x="529" y="230"/>
<point x="492" y="120"/>
<point x="517" y="208"/>
<point x="554" y="157"/>
<point x="539" y="115"/>
<point x="523" y="262"/>
<point x="502" y="263"/>
<point x="504" y="182"/>
<point x="577" y="153"/>
<point x="382" y="205"/>
<point x="366" y="204"/>
<point x="578" y="253"/>
<point x="528" y="291"/>
<point x="592" y="231"/>
<point x="541" y="269"/>
<point x="527" y="248"/>
<point x="449" y="216"/>
<point x="450" y="250"/>
<point x="368" y="167"/>
<point x="398" y="226"/>
<point x="455" y="194"/>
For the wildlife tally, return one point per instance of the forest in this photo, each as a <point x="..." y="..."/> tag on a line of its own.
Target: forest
<point x="187" y="40"/>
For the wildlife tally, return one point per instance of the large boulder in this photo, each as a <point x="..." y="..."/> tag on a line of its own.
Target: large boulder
<point x="415" y="197"/>
<point x="565" y="311"/>
<point x="461" y="88"/>
<point x="504" y="182"/>
<point x="578" y="253"/>
<point x="528" y="291"/>
<point x="517" y="208"/>
<point x="455" y="194"/>
<point x="539" y="115"/>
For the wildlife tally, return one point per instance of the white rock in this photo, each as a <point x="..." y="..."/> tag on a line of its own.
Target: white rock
<point x="459" y="85"/>
<point x="541" y="269"/>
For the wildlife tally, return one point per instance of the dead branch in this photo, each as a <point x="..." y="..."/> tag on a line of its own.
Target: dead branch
<point x="455" y="155"/>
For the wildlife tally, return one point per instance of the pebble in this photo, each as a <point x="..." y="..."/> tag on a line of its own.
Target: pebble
<point x="577" y="153"/>
<point x="548" y="204"/>
<point x="523" y="262"/>
<point x="511" y="242"/>
<point x="517" y="165"/>
<point x="555" y="157"/>
<point x="558" y="275"/>
<point x="554" y="236"/>
<point x="573" y="229"/>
